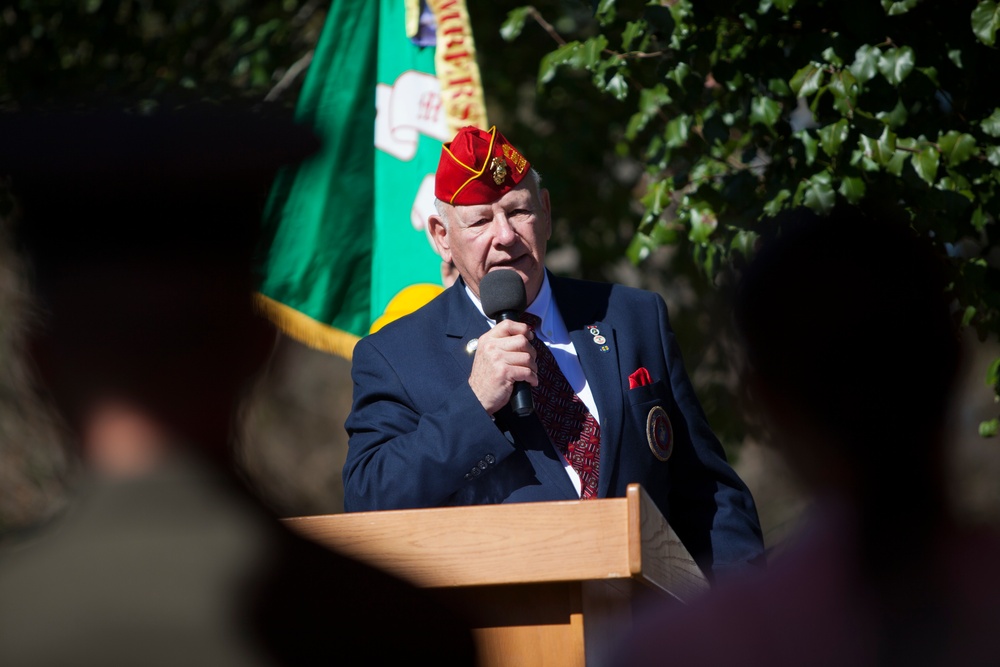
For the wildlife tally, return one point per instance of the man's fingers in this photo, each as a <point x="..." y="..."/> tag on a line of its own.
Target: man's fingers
<point x="521" y="368"/>
<point x="506" y="328"/>
<point x="504" y="356"/>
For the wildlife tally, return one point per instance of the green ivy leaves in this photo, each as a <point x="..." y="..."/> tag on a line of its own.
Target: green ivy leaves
<point x="852" y="188"/>
<point x="764" y="111"/>
<point x="926" y="164"/>
<point x="866" y="60"/>
<point x="741" y="117"/>
<point x="895" y="64"/>
<point x="957" y="147"/>
<point x="986" y="21"/>
<point x="878" y="151"/>
<point x="511" y="28"/>
<point x="896" y="7"/>
<point x="580" y="55"/>
<point x="833" y="136"/>
<point x="817" y="193"/>
<point x="991" y="124"/>
<point x="807" y="81"/>
<point x="651" y="101"/>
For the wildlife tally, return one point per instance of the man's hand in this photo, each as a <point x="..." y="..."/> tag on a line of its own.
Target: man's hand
<point x="504" y="356"/>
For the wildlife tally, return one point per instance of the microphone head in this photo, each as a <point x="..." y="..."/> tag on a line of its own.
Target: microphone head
<point x="502" y="291"/>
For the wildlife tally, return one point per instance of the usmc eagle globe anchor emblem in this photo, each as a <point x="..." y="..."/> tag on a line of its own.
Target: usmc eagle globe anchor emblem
<point x="660" y="433"/>
<point x="499" y="170"/>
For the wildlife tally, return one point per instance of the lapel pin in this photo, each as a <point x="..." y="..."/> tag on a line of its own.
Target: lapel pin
<point x="600" y="340"/>
<point x="605" y="348"/>
<point x="593" y="330"/>
<point x="471" y="346"/>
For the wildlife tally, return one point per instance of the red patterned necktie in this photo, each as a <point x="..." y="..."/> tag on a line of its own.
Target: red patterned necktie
<point x="568" y="422"/>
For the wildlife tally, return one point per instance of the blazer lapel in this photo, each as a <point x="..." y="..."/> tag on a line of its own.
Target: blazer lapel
<point x="463" y="323"/>
<point x="582" y="311"/>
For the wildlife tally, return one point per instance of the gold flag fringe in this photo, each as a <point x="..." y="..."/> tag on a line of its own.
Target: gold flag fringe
<point x="456" y="67"/>
<point x="305" y="329"/>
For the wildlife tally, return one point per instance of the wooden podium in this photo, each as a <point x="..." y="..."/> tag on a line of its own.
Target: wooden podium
<point x="543" y="583"/>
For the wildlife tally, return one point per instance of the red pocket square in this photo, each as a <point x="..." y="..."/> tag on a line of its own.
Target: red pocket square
<point x="639" y="378"/>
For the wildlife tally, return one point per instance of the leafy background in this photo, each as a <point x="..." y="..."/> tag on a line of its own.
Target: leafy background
<point x="667" y="132"/>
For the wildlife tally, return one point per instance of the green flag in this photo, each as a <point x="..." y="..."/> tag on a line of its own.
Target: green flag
<point x="346" y="244"/>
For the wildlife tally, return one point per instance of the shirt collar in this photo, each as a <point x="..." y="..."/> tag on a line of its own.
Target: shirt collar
<point x="542" y="306"/>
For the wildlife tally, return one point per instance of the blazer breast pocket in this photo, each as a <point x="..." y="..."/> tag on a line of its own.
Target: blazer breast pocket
<point x="651" y="406"/>
<point x="648" y="395"/>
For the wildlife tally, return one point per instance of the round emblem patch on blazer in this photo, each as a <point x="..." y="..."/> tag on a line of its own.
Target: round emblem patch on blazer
<point x="660" y="433"/>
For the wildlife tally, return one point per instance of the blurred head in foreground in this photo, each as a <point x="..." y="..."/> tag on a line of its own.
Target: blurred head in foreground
<point x="139" y="233"/>
<point x="851" y="353"/>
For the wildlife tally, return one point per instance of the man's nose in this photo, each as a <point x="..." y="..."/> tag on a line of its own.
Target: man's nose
<point x="503" y="231"/>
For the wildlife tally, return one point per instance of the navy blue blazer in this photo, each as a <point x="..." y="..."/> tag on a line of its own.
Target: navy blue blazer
<point x="420" y="438"/>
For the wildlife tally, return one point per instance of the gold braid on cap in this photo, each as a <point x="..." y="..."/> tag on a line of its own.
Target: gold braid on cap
<point x="475" y="174"/>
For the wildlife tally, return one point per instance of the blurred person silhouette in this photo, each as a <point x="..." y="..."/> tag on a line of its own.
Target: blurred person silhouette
<point x="140" y="234"/>
<point x="851" y="352"/>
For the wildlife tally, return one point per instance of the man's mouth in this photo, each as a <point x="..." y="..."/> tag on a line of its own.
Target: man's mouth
<point x="508" y="263"/>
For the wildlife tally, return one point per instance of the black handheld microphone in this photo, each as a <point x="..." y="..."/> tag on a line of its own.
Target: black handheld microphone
<point x="503" y="298"/>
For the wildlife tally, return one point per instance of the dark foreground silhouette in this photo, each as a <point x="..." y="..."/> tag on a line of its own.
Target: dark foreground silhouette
<point x="140" y="233"/>
<point x="851" y="353"/>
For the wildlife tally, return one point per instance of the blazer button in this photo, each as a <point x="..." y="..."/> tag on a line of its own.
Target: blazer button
<point x="489" y="458"/>
<point x="475" y="472"/>
<point x="482" y="465"/>
<point x="468" y="475"/>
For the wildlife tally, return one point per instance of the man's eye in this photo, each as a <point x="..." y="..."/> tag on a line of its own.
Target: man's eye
<point x="520" y="213"/>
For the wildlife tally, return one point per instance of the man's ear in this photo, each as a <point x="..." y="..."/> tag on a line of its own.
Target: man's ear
<point x="547" y="208"/>
<point x="439" y="236"/>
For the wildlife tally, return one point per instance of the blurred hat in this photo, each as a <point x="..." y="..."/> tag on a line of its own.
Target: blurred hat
<point x="115" y="150"/>
<point x="478" y="167"/>
<point x="100" y="184"/>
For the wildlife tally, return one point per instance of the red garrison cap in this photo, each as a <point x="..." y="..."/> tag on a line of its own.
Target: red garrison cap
<point x="478" y="167"/>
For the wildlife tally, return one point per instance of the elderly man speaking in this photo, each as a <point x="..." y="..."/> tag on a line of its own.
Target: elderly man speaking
<point x="608" y="400"/>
